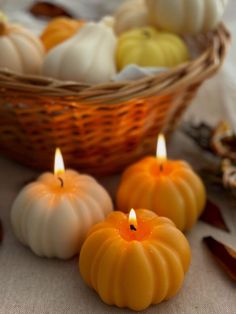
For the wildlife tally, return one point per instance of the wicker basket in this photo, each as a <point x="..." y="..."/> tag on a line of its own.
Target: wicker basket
<point x="100" y="129"/>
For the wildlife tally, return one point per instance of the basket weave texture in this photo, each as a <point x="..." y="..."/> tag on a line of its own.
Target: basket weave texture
<point x="100" y="129"/>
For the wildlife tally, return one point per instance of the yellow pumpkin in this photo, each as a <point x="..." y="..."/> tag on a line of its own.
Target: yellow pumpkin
<point x="176" y="193"/>
<point x="135" y="270"/>
<point x="20" y="50"/>
<point x="148" y="47"/>
<point x="59" y="30"/>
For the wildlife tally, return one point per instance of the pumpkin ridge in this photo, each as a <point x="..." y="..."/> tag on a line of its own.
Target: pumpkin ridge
<point x="26" y="34"/>
<point x="88" y="252"/>
<point x="169" y="255"/>
<point x="191" y="210"/>
<point x="84" y="217"/>
<point x="18" y="48"/>
<point x="114" y="218"/>
<point x="101" y="41"/>
<point x="16" y="215"/>
<point x="53" y="234"/>
<point x="63" y="56"/>
<point x="94" y="208"/>
<point x="206" y="8"/>
<point x="99" y="226"/>
<point x="133" y="278"/>
<point x="94" y="270"/>
<point x="26" y="212"/>
<point x="105" y="269"/>
<point x="30" y="229"/>
<point x="156" y="259"/>
<point x="160" y="221"/>
<point x="162" y="211"/>
<point x="137" y="198"/>
<point x="118" y="282"/>
<point x="46" y="241"/>
<point x="16" y="54"/>
<point x="193" y="181"/>
<point x="162" y="234"/>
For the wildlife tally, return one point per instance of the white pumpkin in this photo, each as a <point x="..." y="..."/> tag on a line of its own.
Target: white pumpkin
<point x="108" y="20"/>
<point x="132" y="14"/>
<point x="52" y="219"/>
<point x="87" y="57"/>
<point x="20" y="50"/>
<point x="186" y="17"/>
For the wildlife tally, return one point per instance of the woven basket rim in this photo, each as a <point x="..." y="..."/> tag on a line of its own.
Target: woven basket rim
<point x="193" y="72"/>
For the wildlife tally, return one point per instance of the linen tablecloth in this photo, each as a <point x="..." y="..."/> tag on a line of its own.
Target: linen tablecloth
<point x="33" y="285"/>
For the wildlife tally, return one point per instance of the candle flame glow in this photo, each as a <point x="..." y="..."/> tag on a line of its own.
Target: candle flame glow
<point x="161" y="148"/>
<point x="59" y="167"/>
<point x="133" y="218"/>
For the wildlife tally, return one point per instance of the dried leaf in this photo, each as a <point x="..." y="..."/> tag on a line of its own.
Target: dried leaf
<point x="201" y="134"/>
<point x="223" y="141"/>
<point x="212" y="215"/>
<point x="229" y="174"/>
<point x="44" y="9"/>
<point x="224" y="255"/>
<point x="1" y="232"/>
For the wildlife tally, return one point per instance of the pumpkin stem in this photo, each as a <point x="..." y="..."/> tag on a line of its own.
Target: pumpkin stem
<point x="3" y="23"/>
<point x="3" y="28"/>
<point x="146" y="34"/>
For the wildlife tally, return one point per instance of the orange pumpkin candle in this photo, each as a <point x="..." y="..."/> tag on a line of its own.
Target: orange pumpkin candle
<point x="169" y="188"/>
<point x="135" y="262"/>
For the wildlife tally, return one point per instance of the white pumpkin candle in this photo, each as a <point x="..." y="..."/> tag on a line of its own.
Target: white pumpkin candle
<point x="53" y="214"/>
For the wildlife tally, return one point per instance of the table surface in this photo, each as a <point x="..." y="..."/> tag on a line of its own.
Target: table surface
<point x="29" y="284"/>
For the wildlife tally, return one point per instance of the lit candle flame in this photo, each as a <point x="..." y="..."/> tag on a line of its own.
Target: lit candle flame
<point x="161" y="148"/>
<point x="133" y="220"/>
<point x="59" y="167"/>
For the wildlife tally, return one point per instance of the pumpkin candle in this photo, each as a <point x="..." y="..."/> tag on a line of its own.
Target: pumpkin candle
<point x="169" y="188"/>
<point x="135" y="261"/>
<point x="53" y="214"/>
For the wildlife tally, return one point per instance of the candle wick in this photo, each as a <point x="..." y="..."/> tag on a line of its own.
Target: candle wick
<point x="133" y="228"/>
<point x="161" y="167"/>
<point x="61" y="181"/>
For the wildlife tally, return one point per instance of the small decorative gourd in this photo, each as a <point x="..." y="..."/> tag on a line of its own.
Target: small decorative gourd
<point x="186" y="17"/>
<point x="174" y="191"/>
<point x="109" y="21"/>
<point x="148" y="47"/>
<point x="53" y="214"/>
<point x="138" y="268"/>
<point x="59" y="30"/>
<point x="131" y="14"/>
<point x="88" y="56"/>
<point x="20" y="50"/>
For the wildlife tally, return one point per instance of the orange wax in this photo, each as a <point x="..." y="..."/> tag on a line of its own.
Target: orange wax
<point x="170" y="188"/>
<point x="137" y="265"/>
